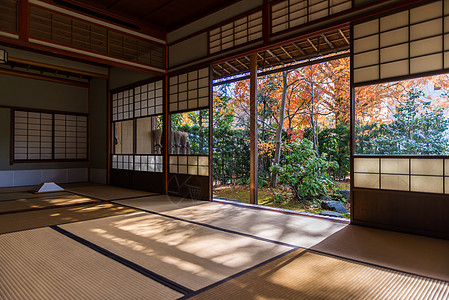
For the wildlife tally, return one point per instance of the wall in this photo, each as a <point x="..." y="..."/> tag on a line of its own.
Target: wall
<point x="121" y="77"/>
<point x="98" y="96"/>
<point x="31" y="93"/>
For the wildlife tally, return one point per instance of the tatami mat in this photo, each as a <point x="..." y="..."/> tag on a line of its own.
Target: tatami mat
<point x="406" y="252"/>
<point x="191" y="255"/>
<point x="42" y="202"/>
<point x="44" y="264"/>
<point x="107" y="192"/>
<point x="306" y="275"/>
<point x="27" y="195"/>
<point x="161" y="203"/>
<point x="48" y="217"/>
<point x="292" y="229"/>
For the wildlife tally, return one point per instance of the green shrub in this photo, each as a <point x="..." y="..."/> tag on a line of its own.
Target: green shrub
<point x="305" y="173"/>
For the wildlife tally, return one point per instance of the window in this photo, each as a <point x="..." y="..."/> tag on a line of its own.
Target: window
<point x="137" y="128"/>
<point x="49" y="136"/>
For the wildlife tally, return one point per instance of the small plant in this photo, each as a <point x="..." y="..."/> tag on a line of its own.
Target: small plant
<point x="305" y="173"/>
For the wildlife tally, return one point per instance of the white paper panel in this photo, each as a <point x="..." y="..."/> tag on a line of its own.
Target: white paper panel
<point x="368" y="165"/>
<point x="341" y="7"/>
<point x="427" y="184"/>
<point x="426" y="63"/>
<point x="395" y="165"/>
<point x="366" y="59"/>
<point x="365" y="74"/>
<point x="367" y="28"/>
<point x="203" y="171"/>
<point x="394" y="53"/>
<point x="367" y="43"/>
<point x="203" y="160"/>
<point x="427" y="166"/>
<point x="426" y="12"/>
<point x="394" y="21"/>
<point x="395" y="182"/>
<point x="426" y="46"/>
<point x="394" y="37"/>
<point x="363" y="180"/>
<point x="426" y="29"/>
<point x="397" y="68"/>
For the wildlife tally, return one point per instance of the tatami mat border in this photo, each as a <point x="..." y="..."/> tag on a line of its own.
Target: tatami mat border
<point x="239" y="274"/>
<point x="150" y="274"/>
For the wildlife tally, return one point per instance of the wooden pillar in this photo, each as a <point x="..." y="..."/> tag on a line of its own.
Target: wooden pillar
<point x="253" y="130"/>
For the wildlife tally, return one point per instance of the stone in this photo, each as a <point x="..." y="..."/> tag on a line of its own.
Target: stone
<point x="328" y="213"/>
<point x="345" y="194"/>
<point x="334" y="205"/>
<point x="325" y="198"/>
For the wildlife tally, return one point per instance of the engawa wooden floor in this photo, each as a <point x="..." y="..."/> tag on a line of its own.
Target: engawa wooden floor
<point x="103" y="242"/>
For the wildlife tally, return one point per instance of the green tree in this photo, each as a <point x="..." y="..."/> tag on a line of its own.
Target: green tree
<point x="416" y="129"/>
<point x="304" y="172"/>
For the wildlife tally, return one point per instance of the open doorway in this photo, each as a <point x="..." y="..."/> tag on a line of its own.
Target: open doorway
<point x="303" y="132"/>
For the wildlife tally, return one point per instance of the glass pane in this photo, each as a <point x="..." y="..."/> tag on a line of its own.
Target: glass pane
<point x="123" y="137"/>
<point x="149" y="135"/>
<point x="190" y="132"/>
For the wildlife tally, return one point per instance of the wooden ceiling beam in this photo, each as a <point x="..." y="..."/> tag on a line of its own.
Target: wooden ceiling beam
<point x="344" y="36"/>
<point x="327" y="41"/>
<point x="232" y="67"/>
<point x="273" y="55"/>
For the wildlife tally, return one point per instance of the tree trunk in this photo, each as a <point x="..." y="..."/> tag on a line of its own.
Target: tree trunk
<point x="277" y="153"/>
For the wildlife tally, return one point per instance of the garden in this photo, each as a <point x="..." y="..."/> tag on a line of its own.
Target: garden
<point x="304" y="132"/>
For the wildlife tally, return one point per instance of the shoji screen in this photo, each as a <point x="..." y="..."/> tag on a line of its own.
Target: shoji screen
<point x="137" y="116"/>
<point x="241" y="31"/>
<point x="189" y="163"/>
<point x="49" y="136"/>
<point x="427" y="174"/>
<point x="291" y="13"/>
<point x="406" y="43"/>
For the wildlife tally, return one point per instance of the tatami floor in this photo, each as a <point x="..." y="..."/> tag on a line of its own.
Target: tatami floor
<point x="102" y="242"/>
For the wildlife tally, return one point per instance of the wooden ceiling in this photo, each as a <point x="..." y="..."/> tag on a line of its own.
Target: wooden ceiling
<point x="312" y="47"/>
<point x="163" y="15"/>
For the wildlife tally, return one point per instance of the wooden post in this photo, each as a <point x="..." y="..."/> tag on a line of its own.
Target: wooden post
<point x="253" y="130"/>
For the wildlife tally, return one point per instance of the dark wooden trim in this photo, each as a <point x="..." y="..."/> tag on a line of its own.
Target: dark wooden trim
<point x="253" y="131"/>
<point x="54" y="67"/>
<point x="88" y="134"/>
<point x="145" y="32"/>
<point x="308" y="63"/>
<point x="352" y="122"/>
<point x="266" y="21"/>
<point x="23" y="18"/>
<point x="47" y="50"/>
<point x="11" y="137"/>
<point x="189" y="110"/>
<point x="108" y="128"/>
<point x="29" y="109"/>
<point x="33" y="161"/>
<point x="411" y="212"/>
<point x="211" y="135"/>
<point x="44" y="78"/>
